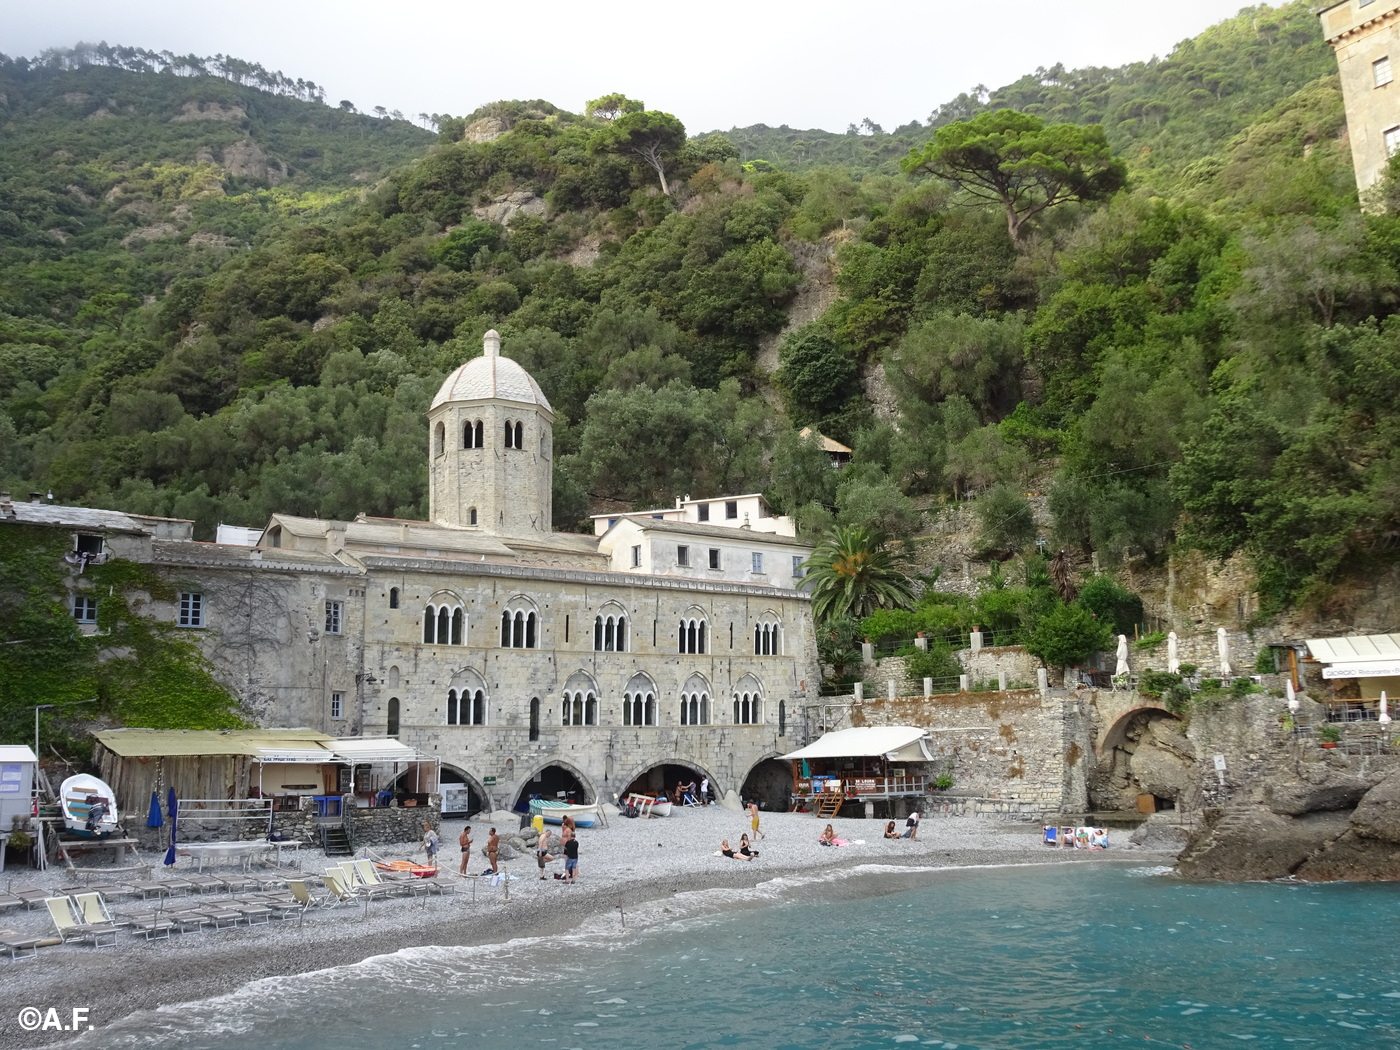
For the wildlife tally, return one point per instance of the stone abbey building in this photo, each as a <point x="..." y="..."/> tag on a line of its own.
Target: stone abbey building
<point x="671" y="643"/>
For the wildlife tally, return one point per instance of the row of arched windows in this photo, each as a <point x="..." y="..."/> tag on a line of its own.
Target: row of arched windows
<point x="695" y="709"/>
<point x="444" y="625"/>
<point x="467" y="708"/>
<point x="579" y="708"/>
<point x="765" y="639"/>
<point x="474" y="435"/>
<point x="610" y="634"/>
<point x="692" y="636"/>
<point x="517" y="630"/>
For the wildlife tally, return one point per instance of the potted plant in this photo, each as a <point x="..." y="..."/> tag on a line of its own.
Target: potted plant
<point x="1328" y="734"/>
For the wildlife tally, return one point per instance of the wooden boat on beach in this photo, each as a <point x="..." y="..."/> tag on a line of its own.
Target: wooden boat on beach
<point x="554" y="812"/>
<point x="89" y="807"/>
<point x="649" y="805"/>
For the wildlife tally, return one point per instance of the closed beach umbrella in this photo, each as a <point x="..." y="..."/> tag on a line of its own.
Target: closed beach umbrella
<point x="1222" y="642"/>
<point x="173" y="805"/>
<point x="1122" y="655"/>
<point x="1288" y="691"/>
<point x="153" y="819"/>
<point x="1385" y="709"/>
<point x="1173" y="663"/>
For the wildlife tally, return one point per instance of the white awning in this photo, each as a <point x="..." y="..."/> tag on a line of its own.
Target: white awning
<point x="361" y="750"/>
<point x="1358" y="656"/>
<point x="901" y="743"/>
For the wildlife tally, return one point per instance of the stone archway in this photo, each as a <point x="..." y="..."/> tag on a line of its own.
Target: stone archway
<point x="661" y="777"/>
<point x="549" y="780"/>
<point x="455" y="777"/>
<point x="769" y="783"/>
<point x="1144" y="752"/>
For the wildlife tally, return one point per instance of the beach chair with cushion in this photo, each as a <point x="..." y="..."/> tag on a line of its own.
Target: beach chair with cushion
<point x="369" y="878"/>
<point x="70" y="929"/>
<point x="1066" y="838"/>
<point x="1052" y="836"/>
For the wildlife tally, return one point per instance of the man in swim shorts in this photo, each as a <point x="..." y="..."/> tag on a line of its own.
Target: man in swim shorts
<point x="465" y="841"/>
<point x="542" y="856"/>
<point x="493" y="849"/>
<point x="753" y="820"/>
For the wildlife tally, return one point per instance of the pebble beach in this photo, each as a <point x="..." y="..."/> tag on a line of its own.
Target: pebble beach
<point x="629" y="866"/>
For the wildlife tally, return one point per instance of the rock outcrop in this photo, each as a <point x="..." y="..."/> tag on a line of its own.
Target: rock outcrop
<point x="502" y="209"/>
<point x="1326" y="842"/>
<point x="192" y="111"/>
<point x="246" y="159"/>
<point x="487" y="129"/>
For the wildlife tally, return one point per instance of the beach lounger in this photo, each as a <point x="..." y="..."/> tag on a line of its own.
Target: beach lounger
<point x="218" y="916"/>
<point x="369" y="878"/>
<point x="32" y="898"/>
<point x="149" y="924"/>
<point x="204" y="884"/>
<point x="70" y="929"/>
<point x="1066" y="838"/>
<point x="1052" y="837"/>
<point x="92" y="909"/>
<point x="301" y="893"/>
<point x="254" y="913"/>
<point x="10" y="901"/>
<point x="237" y="883"/>
<point x="339" y="892"/>
<point x="16" y="944"/>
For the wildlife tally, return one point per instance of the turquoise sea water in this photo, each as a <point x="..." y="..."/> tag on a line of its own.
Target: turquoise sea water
<point x="982" y="959"/>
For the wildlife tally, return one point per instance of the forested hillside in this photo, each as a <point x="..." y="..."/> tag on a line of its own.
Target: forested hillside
<point x="1198" y="357"/>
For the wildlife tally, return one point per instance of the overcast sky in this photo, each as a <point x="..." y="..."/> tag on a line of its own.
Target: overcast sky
<point x="715" y="64"/>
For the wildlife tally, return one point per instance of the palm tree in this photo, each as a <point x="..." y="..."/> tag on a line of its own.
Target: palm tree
<point x="853" y="573"/>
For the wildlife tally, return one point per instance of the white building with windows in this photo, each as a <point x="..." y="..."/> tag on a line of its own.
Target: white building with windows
<point x="526" y="661"/>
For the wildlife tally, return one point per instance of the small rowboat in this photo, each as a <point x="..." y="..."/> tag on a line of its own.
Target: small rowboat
<point x="554" y="812"/>
<point x="89" y="807"/>
<point x="658" y="806"/>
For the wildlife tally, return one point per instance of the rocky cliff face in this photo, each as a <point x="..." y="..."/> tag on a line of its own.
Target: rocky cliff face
<point x="1335" y="818"/>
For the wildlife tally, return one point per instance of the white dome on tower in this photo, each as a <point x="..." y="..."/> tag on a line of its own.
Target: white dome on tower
<point x="491" y="376"/>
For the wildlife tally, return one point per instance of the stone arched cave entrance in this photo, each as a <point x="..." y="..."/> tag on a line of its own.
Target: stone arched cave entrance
<point x="1145" y="752"/>
<point x="769" y="783"/>
<point x="663" y="778"/>
<point x="553" y="782"/>
<point x="461" y="797"/>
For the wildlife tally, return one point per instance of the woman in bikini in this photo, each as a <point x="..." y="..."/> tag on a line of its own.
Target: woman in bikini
<point x="828" y="837"/>
<point x="745" y="850"/>
<point x="890" y="833"/>
<point x="725" y="849"/>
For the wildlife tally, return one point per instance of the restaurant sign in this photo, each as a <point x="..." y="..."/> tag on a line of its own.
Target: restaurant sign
<point x="1374" y="669"/>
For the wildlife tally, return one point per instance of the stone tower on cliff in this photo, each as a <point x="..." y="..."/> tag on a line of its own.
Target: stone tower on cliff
<point x="491" y="448"/>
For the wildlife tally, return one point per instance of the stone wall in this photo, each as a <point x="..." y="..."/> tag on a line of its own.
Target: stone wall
<point x="384" y="826"/>
<point x="1014" y="751"/>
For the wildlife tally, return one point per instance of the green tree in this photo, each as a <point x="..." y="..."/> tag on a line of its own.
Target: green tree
<point x="1022" y="163"/>
<point x="649" y="136"/>
<point x="1005" y="521"/>
<point x="851" y="573"/>
<point x="612" y="106"/>
<point x="1067" y="635"/>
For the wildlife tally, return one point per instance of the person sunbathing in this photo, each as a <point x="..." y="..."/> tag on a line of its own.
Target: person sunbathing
<point x="828" y="837"/>
<point x="890" y="832"/>
<point x="745" y="850"/>
<point x="725" y="849"/>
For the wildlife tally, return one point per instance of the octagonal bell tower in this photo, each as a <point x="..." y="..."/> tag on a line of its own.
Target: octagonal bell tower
<point x="491" y="448"/>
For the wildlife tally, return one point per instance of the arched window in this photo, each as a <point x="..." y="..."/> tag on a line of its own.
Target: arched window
<point x="579" y="706"/>
<point x="691" y="637"/>
<point x="471" y="515"/>
<point x="695" y="702"/>
<point x="610" y="631"/>
<point x="466" y="700"/>
<point x="766" y="638"/>
<point x="392" y="718"/>
<point x="519" y="435"/>
<point x="748" y="702"/>
<point x="782" y="718"/>
<point x="510" y="434"/>
<point x="639" y="702"/>
<point x="393" y="597"/>
<point x="519" y="625"/>
<point x="534" y="718"/>
<point x="445" y="623"/>
<point x="468" y="435"/>
<point x="439" y="439"/>
<point x="478" y="435"/>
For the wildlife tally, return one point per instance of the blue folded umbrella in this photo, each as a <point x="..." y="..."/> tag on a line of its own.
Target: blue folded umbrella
<point x="173" y="805"/>
<point x="154" y="819"/>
